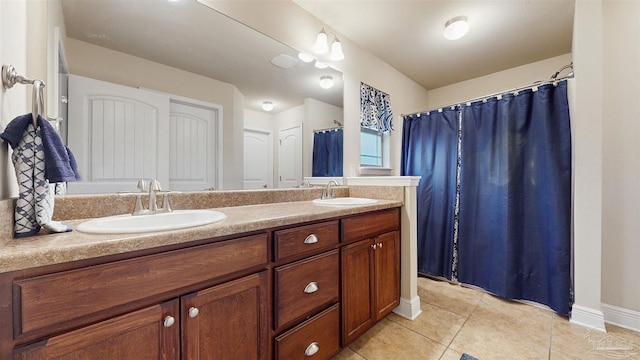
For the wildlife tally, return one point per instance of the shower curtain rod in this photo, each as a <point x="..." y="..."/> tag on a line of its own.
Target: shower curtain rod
<point x="327" y="129"/>
<point x="553" y="80"/>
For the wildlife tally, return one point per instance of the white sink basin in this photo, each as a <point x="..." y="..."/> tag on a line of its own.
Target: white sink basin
<point x="178" y="219"/>
<point x="345" y="201"/>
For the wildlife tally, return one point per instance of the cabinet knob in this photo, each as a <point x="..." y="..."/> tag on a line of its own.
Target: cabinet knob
<point x="374" y="246"/>
<point x="311" y="287"/>
<point x="379" y="245"/>
<point x="168" y="321"/>
<point x="193" y="312"/>
<point x="311" y="239"/>
<point x="312" y="349"/>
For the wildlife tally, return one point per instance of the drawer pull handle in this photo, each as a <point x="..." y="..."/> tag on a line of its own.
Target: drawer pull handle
<point x="193" y="312"/>
<point x="311" y="287"/>
<point x="312" y="349"/>
<point x="311" y="239"/>
<point x="168" y="321"/>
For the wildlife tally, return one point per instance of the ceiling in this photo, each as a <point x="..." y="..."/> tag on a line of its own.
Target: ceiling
<point x="407" y="34"/>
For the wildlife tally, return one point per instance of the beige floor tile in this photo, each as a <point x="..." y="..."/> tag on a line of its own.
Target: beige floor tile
<point x="557" y="355"/>
<point x="513" y="321"/>
<point x="451" y="297"/>
<point x="574" y="340"/>
<point x="498" y="329"/>
<point x="435" y="323"/>
<point x="451" y="355"/>
<point x="347" y="354"/>
<point x="390" y="341"/>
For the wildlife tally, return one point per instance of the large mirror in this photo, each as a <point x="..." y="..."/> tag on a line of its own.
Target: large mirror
<point x="178" y="63"/>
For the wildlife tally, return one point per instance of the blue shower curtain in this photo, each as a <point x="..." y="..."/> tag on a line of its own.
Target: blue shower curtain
<point x="430" y="142"/>
<point x="515" y="197"/>
<point x="327" y="153"/>
<point x="514" y="214"/>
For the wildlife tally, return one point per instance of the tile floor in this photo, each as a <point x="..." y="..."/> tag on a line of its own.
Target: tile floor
<point x="457" y="320"/>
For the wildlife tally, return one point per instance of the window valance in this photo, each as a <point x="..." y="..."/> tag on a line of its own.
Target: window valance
<point x="375" y="109"/>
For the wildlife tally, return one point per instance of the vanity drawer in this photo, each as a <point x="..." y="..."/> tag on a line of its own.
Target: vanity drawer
<point x="296" y="243"/>
<point x="367" y="226"/>
<point x="50" y="300"/>
<point x="318" y="337"/>
<point x="305" y="285"/>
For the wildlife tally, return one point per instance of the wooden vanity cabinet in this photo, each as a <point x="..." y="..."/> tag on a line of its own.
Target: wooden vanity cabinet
<point x="202" y="302"/>
<point x="370" y="272"/>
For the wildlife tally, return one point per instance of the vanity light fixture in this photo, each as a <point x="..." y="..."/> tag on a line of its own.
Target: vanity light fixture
<point x="267" y="105"/>
<point x="321" y="65"/>
<point x="326" y="82"/>
<point x="305" y="57"/>
<point x="456" y="28"/>
<point x="322" y="46"/>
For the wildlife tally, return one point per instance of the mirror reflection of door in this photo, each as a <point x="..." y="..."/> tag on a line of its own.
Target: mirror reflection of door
<point x="290" y="156"/>
<point x="258" y="159"/>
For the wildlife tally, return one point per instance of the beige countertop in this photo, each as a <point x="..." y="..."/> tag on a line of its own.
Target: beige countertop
<point x="49" y="249"/>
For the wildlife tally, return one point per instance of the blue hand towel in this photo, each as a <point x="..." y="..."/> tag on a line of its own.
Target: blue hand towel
<point x="60" y="164"/>
<point x="35" y="203"/>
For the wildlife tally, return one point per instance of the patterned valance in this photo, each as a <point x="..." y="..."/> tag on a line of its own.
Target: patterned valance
<point x="375" y="108"/>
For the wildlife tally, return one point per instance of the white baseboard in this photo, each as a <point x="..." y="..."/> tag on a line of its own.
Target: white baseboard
<point x="591" y="318"/>
<point x="621" y="317"/>
<point x="409" y="309"/>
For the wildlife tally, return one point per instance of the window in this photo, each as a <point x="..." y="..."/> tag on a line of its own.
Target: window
<point x="370" y="146"/>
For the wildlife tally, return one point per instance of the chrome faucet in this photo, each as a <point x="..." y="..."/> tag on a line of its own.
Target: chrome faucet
<point x="329" y="192"/>
<point x="153" y="189"/>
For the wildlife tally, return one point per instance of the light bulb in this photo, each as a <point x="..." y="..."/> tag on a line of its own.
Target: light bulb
<point x="321" y="45"/>
<point x="304" y="57"/>
<point x="336" y="50"/>
<point x="321" y="65"/>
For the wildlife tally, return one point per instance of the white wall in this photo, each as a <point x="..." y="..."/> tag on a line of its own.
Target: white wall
<point x="620" y="154"/>
<point x="108" y="65"/>
<point x="497" y="82"/>
<point x="23" y="45"/>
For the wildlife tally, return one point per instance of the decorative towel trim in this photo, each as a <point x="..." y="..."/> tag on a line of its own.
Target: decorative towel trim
<point x="35" y="203"/>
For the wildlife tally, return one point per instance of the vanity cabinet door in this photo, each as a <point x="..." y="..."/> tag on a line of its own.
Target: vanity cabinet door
<point x="227" y="321"/>
<point x="387" y="273"/>
<point x="152" y="333"/>
<point x="357" y="290"/>
<point x="370" y="283"/>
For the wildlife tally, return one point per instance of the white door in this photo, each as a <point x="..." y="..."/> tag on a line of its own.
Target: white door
<point x="290" y="157"/>
<point x="192" y="142"/>
<point x="258" y="163"/>
<point x="117" y="134"/>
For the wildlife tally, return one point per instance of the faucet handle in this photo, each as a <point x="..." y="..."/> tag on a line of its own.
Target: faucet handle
<point x="142" y="185"/>
<point x="154" y="185"/>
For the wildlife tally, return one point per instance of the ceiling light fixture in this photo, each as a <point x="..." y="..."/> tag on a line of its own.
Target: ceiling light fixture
<point x="456" y="28"/>
<point x="305" y="57"/>
<point x="326" y="82"/>
<point x="267" y="105"/>
<point x="321" y="65"/>
<point x="322" y="46"/>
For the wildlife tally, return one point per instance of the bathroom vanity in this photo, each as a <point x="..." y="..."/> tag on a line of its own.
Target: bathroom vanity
<point x="272" y="281"/>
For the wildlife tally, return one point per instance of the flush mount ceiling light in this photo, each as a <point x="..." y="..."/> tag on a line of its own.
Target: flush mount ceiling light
<point x="322" y="46"/>
<point x="326" y="82"/>
<point x="267" y="105"/>
<point x="456" y="28"/>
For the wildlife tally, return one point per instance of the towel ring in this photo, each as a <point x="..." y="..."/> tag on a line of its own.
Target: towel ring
<point x="11" y="77"/>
